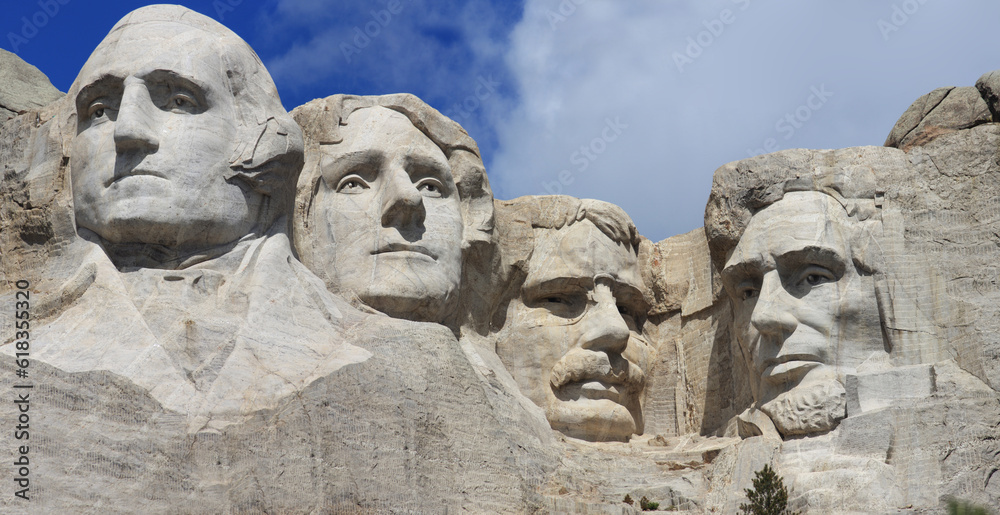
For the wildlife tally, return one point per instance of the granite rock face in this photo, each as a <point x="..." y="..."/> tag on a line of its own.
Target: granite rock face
<point x="22" y="87"/>
<point x="438" y="350"/>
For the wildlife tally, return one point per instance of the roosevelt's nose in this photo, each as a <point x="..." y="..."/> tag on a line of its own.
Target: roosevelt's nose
<point x="135" y="129"/>
<point x="604" y="328"/>
<point x="773" y="313"/>
<point x="402" y="203"/>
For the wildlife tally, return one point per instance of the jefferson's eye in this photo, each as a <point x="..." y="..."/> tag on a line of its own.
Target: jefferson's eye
<point x="352" y="184"/>
<point x="183" y="102"/>
<point x="430" y="188"/>
<point x="556" y="300"/>
<point x="749" y="293"/>
<point x="815" y="275"/>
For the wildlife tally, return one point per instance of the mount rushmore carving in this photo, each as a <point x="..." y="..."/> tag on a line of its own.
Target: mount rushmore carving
<point x="236" y="308"/>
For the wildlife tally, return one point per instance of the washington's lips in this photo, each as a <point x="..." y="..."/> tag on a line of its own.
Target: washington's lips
<point x="132" y="173"/>
<point x="789" y="367"/>
<point x="390" y="248"/>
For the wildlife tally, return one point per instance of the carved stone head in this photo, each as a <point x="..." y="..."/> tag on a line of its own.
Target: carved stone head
<point x="570" y="328"/>
<point x="181" y="139"/>
<point x="392" y="195"/>
<point x="802" y="271"/>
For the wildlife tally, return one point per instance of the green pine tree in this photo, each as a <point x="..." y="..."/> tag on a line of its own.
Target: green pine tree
<point x="768" y="495"/>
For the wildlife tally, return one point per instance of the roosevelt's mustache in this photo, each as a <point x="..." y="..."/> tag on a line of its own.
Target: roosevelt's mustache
<point x="587" y="365"/>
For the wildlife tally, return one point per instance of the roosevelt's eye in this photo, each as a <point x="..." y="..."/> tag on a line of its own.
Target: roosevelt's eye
<point x="352" y="184"/>
<point x="430" y="187"/>
<point x="561" y="304"/>
<point x="747" y="293"/>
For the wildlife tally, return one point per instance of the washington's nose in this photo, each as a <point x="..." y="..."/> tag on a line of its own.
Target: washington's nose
<point x="604" y="329"/>
<point x="135" y="129"/>
<point x="772" y="315"/>
<point x="402" y="203"/>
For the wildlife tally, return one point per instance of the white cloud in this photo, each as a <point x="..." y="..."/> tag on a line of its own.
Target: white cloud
<point x="613" y="60"/>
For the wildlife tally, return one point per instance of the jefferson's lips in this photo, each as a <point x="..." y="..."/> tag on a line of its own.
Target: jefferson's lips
<point x="404" y="247"/>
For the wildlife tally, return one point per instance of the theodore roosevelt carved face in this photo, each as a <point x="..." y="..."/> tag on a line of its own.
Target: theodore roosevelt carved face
<point x="805" y="309"/>
<point x="572" y="336"/>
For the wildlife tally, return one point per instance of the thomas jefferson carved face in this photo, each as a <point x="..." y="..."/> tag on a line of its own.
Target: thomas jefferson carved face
<point x="156" y="128"/>
<point x="805" y="314"/>
<point x="571" y="339"/>
<point x="388" y="209"/>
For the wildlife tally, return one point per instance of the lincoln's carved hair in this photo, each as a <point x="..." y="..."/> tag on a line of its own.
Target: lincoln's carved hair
<point x="742" y="189"/>
<point x="324" y="118"/>
<point x="268" y="152"/>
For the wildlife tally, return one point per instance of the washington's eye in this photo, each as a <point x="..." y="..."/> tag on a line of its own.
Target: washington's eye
<point x="96" y="110"/>
<point x="352" y="184"/>
<point x="430" y="187"/>
<point x="556" y="300"/>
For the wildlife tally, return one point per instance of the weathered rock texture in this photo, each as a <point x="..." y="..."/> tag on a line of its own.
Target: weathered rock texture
<point x="22" y="87"/>
<point x="327" y="406"/>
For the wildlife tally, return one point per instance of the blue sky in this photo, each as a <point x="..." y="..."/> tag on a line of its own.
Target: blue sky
<point x="636" y="102"/>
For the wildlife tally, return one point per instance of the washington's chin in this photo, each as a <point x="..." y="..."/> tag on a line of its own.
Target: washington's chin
<point x="596" y="420"/>
<point x="410" y="303"/>
<point x="155" y="229"/>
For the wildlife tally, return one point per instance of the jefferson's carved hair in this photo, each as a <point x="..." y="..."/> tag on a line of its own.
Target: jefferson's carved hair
<point x="268" y="152"/>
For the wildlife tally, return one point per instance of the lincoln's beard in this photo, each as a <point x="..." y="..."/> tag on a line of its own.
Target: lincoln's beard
<point x="810" y="408"/>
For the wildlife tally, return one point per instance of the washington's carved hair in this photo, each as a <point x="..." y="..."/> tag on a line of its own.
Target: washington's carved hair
<point x="268" y="152"/>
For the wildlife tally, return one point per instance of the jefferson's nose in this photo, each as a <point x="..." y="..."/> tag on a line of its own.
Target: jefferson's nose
<point x="772" y="315"/>
<point x="603" y="327"/>
<point x="402" y="203"/>
<point x="135" y="128"/>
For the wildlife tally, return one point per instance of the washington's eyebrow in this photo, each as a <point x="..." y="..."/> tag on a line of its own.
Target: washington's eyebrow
<point x="164" y="75"/>
<point x="95" y="89"/>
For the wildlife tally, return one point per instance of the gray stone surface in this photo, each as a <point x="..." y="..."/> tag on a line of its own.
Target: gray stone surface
<point x="180" y="365"/>
<point x="22" y="87"/>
